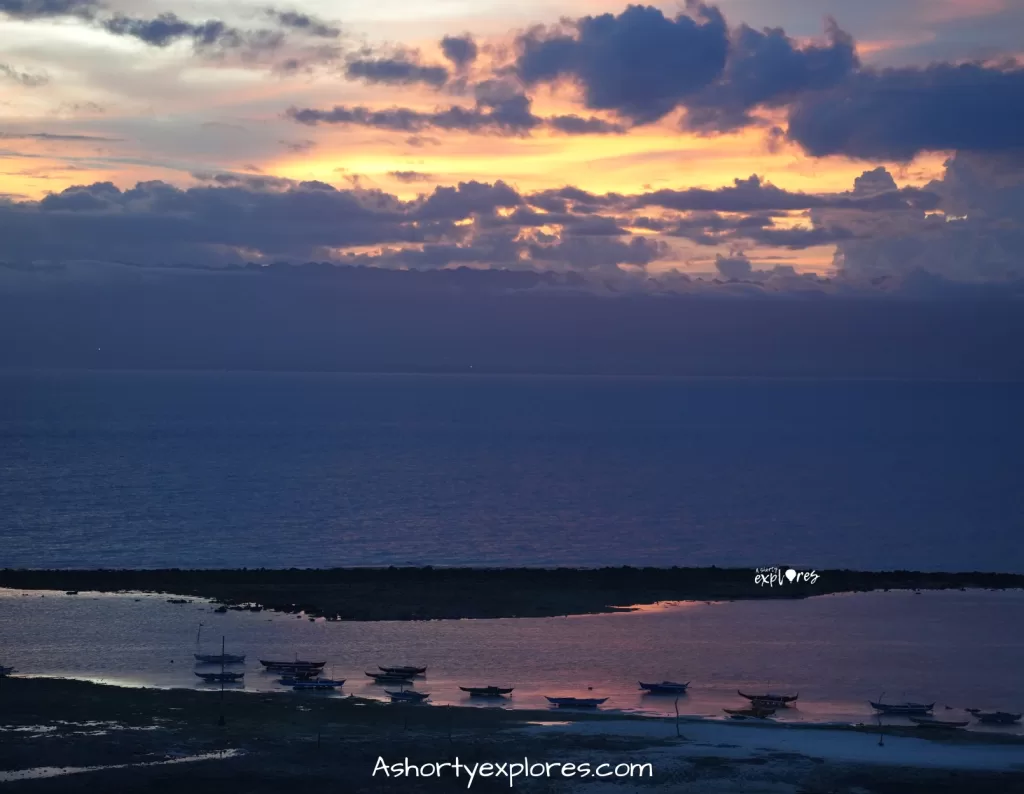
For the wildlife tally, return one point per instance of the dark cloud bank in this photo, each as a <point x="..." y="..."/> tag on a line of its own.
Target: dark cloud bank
<point x="967" y="227"/>
<point x="643" y="65"/>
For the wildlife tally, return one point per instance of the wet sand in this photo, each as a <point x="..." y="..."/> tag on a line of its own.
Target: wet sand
<point x="290" y="741"/>
<point x="453" y="593"/>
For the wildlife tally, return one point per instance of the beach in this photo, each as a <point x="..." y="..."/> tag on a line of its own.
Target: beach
<point x="290" y="740"/>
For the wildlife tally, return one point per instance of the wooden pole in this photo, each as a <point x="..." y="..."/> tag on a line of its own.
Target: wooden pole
<point x="220" y="720"/>
<point x="677" y="715"/>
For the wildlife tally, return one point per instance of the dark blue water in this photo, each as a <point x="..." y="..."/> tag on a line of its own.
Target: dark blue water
<point x="245" y="469"/>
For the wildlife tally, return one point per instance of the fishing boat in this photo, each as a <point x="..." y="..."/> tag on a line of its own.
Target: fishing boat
<point x="407" y="696"/>
<point x="487" y="691"/>
<point x="995" y="717"/>
<point x="294" y="678"/>
<point x="6" y="670"/>
<point x="390" y="678"/>
<point x="665" y="688"/>
<point x="591" y="703"/>
<point x="217" y="678"/>
<point x="289" y="667"/>
<point x="769" y="700"/>
<point x="219" y="658"/>
<point x="931" y="722"/>
<point x="903" y="709"/>
<point x="319" y="683"/>
<point x="215" y="658"/>
<point x="752" y="711"/>
<point x="403" y="670"/>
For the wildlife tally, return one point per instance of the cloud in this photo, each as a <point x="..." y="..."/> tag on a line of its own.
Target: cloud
<point x="410" y="176"/>
<point x="211" y="37"/>
<point x="27" y="79"/>
<point x="467" y="198"/>
<point x="594" y="253"/>
<point x="577" y="125"/>
<point x="766" y="68"/>
<point x="500" y="109"/>
<point x="168" y="28"/>
<point x="298" y="147"/>
<point x="39" y="9"/>
<point x="967" y="227"/>
<point x="305" y="23"/>
<point x="734" y="266"/>
<point x="894" y="114"/>
<point x="753" y="194"/>
<point x="401" y="70"/>
<point x="460" y="50"/>
<point x="978" y="236"/>
<point x="53" y="136"/>
<point x="640" y="64"/>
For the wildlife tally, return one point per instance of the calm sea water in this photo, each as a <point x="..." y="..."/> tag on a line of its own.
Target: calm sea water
<point x="837" y="651"/>
<point x="206" y="469"/>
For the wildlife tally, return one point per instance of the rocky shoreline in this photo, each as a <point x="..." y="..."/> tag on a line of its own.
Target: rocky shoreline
<point x="451" y="593"/>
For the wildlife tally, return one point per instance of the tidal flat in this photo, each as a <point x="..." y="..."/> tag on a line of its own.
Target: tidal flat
<point x="272" y="743"/>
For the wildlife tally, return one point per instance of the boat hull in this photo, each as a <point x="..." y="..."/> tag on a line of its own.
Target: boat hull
<point x="407" y="696"/>
<point x="751" y="712"/>
<point x="584" y="703"/>
<point x="927" y="722"/>
<point x="775" y="701"/>
<point x="903" y="709"/>
<point x="217" y="678"/>
<point x="322" y="684"/>
<point x="996" y="717"/>
<point x="216" y="658"/>
<point x="665" y="688"/>
<point x="486" y="691"/>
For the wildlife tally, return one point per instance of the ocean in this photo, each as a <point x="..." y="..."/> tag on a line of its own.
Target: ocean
<point x="202" y="469"/>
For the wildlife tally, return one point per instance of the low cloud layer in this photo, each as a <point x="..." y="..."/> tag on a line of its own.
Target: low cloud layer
<point x="966" y="227"/>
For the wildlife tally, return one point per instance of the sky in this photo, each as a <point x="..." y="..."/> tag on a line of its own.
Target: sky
<point x="781" y="144"/>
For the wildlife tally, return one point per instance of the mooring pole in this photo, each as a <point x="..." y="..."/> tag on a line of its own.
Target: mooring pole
<point x="220" y="720"/>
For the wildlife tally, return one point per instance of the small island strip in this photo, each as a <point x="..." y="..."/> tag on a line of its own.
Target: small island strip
<point x="432" y="593"/>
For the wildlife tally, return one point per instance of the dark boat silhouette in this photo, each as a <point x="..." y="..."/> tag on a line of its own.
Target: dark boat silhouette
<point x="487" y="691"/>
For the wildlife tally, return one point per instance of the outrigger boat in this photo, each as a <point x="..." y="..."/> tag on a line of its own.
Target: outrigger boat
<point x="407" y="696"/>
<point x="931" y="722"/>
<point x="404" y="670"/>
<point x="219" y="658"/>
<point x="752" y="711"/>
<point x="217" y="678"/>
<point x="487" y="691"/>
<point x="903" y="709"/>
<point x="995" y="717"/>
<point x="291" y="667"/>
<point x="665" y="688"/>
<point x="770" y="701"/>
<point x="591" y="703"/>
<point x="295" y="678"/>
<point x="319" y="683"/>
<point x="215" y="658"/>
<point x="391" y="678"/>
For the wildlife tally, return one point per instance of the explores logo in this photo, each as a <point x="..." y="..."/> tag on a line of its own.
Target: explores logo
<point x="776" y="576"/>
